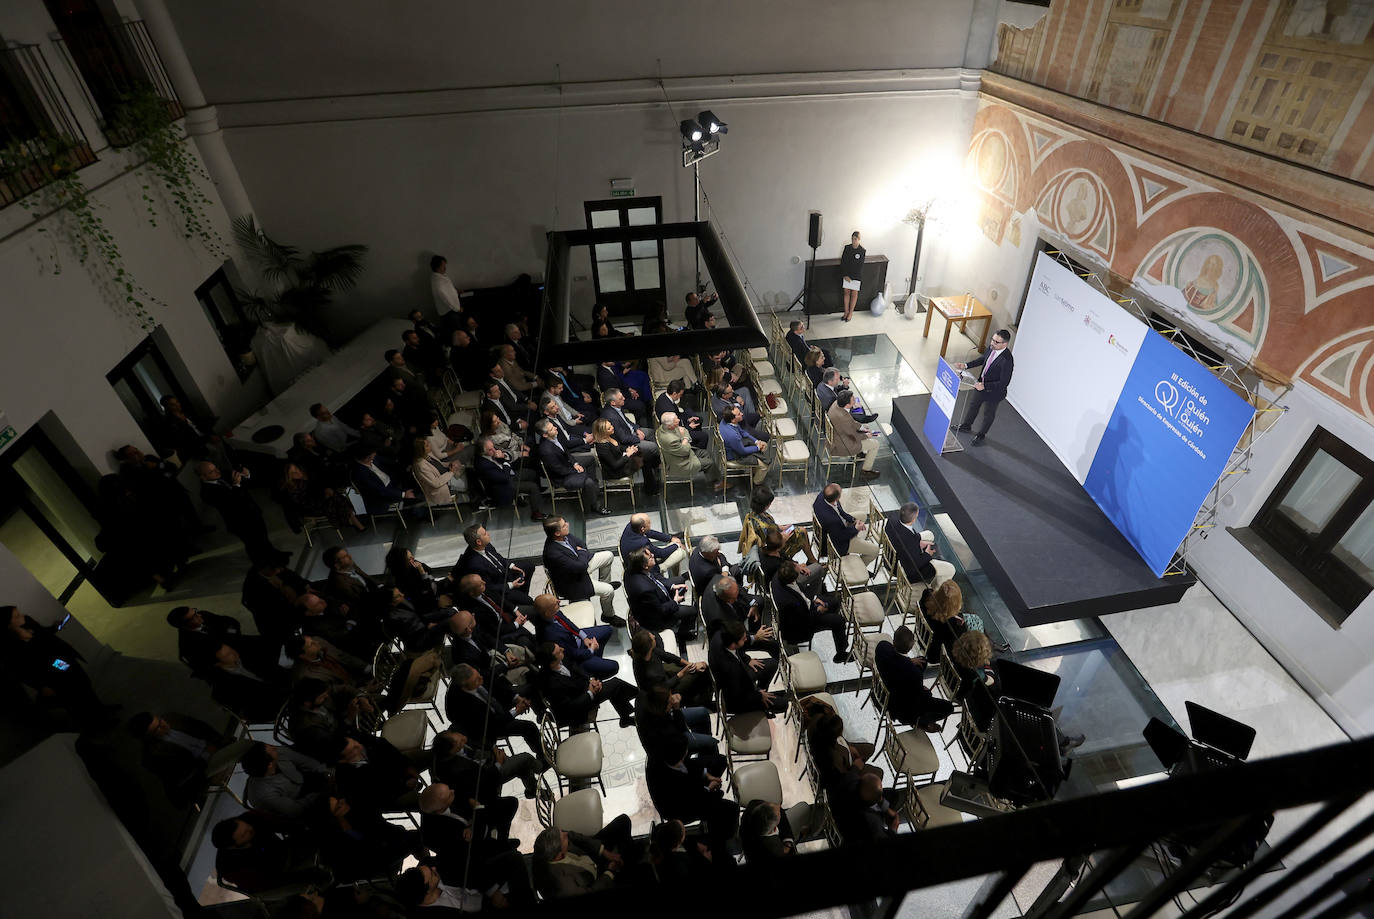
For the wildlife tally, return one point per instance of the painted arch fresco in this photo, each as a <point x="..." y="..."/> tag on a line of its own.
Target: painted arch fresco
<point x="1296" y="299"/>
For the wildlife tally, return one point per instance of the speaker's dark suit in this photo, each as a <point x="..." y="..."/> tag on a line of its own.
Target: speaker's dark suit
<point x="995" y="380"/>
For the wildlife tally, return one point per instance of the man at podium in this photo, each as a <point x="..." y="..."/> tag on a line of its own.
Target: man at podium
<point x="992" y="384"/>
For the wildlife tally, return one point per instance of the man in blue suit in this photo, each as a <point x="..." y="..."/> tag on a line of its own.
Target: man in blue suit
<point x="743" y="447"/>
<point x="638" y="535"/>
<point x="583" y="647"/>
<point x="571" y="565"/>
<point x="840" y="526"/>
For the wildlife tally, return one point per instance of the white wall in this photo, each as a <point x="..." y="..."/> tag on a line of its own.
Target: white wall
<point x="61" y="333"/>
<point x="483" y="188"/>
<point x="1333" y="664"/>
<point x="265" y="49"/>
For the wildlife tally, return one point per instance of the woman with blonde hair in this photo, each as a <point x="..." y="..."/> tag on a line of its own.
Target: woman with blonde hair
<point x="441" y="482"/>
<point x="944" y="609"/>
<point x="617" y="460"/>
<point x="971" y="655"/>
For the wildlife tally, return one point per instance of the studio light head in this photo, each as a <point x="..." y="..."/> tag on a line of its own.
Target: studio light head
<point x="691" y="132"/>
<point x="711" y="124"/>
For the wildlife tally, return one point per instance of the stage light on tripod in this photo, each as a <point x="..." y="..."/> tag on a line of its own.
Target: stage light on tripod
<point x="691" y="131"/>
<point x="711" y="124"/>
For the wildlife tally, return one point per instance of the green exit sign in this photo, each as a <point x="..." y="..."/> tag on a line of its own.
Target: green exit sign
<point x="622" y="192"/>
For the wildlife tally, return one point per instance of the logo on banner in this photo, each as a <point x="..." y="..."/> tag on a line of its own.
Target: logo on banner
<point x="1093" y="324"/>
<point x="948" y="379"/>
<point x="1116" y="343"/>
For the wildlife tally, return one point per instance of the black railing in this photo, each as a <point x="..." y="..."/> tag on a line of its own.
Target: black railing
<point x="1101" y="834"/>
<point x="40" y="138"/>
<point x="114" y="65"/>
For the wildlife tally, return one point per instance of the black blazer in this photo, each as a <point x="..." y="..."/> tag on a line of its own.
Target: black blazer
<point x="620" y="427"/>
<point x="468" y="711"/>
<point x="998" y="376"/>
<point x="556" y="461"/>
<point x="837" y="524"/>
<point x="240" y="512"/>
<point x="734" y="678"/>
<point x="663" y="405"/>
<point x="568" y="569"/>
<point x="614" y="463"/>
<point x="796" y="617"/>
<point x="654" y="609"/>
<point x="679" y="795"/>
<point x="702" y="569"/>
<point x="567" y="696"/>
<point x="904" y="678"/>
<point x="915" y="562"/>
<point x="498" y="478"/>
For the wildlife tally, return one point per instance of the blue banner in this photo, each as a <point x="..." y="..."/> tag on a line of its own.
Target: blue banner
<point x="943" y="395"/>
<point x="1169" y="439"/>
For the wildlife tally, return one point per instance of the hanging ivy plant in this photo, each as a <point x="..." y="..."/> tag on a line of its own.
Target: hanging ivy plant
<point x="79" y="222"/>
<point x="147" y="120"/>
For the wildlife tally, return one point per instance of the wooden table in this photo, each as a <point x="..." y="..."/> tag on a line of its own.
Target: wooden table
<point x="959" y="310"/>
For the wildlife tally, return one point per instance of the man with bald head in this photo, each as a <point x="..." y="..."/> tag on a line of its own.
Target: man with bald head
<point x="584" y="647"/>
<point x="639" y="534"/>
<point x="489" y="712"/>
<point x="501" y="622"/>
<point x="679" y="454"/>
<point x="241" y="513"/>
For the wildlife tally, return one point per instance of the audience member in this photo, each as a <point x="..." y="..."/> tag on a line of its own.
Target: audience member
<point x="330" y="432"/>
<point x="583" y="646"/>
<point x="240" y="512"/>
<point x="845" y="436"/>
<point x="916" y="548"/>
<point x="567" y="864"/>
<point x="688" y="788"/>
<point x="573" y="696"/>
<point x="800" y="615"/>
<point x="570" y="566"/>
<point x="301" y="496"/>
<point x="839" y="527"/>
<point x="283" y="781"/>
<point x="620" y="459"/>
<point x="738" y="676"/>
<point x="178" y="749"/>
<point x="796" y="340"/>
<point x="563" y="469"/>
<point x="671" y="401"/>
<point x="707" y="562"/>
<point x="909" y="701"/>
<point x="679" y="455"/>
<point x="255" y="855"/>
<point x="488" y="715"/>
<point x="504" y="578"/>
<point x="655" y="601"/>
<point x="743" y="447"/>
<point x="503" y="483"/>
<point x="796" y="538"/>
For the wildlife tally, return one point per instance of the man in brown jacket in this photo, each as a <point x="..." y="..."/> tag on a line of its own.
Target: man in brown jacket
<point x="846" y="437"/>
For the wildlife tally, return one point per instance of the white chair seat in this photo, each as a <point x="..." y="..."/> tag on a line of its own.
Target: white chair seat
<point x="786" y="428"/>
<point x="825" y="697"/>
<point x="870" y="643"/>
<point x="939" y="814"/>
<point x="781" y="408"/>
<point x="406" y="730"/>
<point x="667" y="640"/>
<point x="853" y="570"/>
<point x="794" y="451"/>
<point x="748" y="733"/>
<point x="757" y="782"/>
<point x="579" y="812"/>
<point x="912" y="753"/>
<point x="579" y="756"/>
<point x="758" y="354"/>
<point x="808" y="673"/>
<point x="868" y="609"/>
<point x="763" y="369"/>
<point x="581" y="613"/>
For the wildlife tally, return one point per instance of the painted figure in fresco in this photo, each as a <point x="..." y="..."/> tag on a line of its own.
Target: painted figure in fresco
<point x="1201" y="292"/>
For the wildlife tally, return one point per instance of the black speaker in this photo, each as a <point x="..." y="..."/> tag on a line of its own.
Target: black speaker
<point x="813" y="231"/>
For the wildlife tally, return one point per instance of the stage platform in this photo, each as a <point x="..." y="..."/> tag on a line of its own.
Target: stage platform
<point x="1044" y="543"/>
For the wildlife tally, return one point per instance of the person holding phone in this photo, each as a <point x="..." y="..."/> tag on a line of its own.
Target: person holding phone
<point x="852" y="268"/>
<point x="50" y="667"/>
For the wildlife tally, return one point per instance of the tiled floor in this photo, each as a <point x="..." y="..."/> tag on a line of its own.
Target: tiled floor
<point x="1116" y="673"/>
